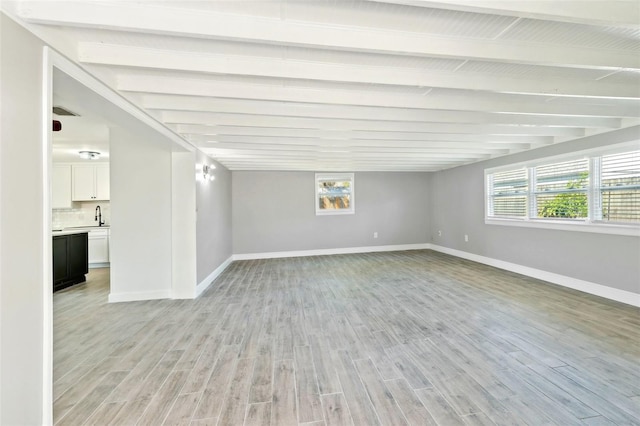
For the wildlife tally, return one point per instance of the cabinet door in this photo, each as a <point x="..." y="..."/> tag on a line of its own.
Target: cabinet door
<point x="98" y="249"/>
<point x="61" y="187"/>
<point x="102" y="182"/>
<point x="83" y="178"/>
<point x="60" y="258"/>
<point x="78" y="256"/>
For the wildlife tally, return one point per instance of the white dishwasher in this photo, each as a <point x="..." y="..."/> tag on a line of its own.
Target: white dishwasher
<point x="98" y="248"/>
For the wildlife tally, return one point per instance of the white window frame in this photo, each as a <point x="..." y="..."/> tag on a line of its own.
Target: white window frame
<point x="589" y="224"/>
<point x="337" y="177"/>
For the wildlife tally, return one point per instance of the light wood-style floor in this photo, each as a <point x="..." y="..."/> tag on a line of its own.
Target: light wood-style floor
<point x="412" y="337"/>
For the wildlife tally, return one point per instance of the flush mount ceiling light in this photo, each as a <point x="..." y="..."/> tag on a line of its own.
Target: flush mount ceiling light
<point x="89" y="155"/>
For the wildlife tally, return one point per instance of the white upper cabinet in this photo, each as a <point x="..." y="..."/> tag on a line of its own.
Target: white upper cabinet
<point x="61" y="186"/>
<point x="90" y="182"/>
<point x="103" y="191"/>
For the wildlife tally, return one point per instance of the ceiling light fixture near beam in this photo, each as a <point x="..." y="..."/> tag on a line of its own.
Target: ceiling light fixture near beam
<point x="89" y="155"/>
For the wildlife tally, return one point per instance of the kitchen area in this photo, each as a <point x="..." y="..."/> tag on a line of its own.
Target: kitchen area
<point x="80" y="197"/>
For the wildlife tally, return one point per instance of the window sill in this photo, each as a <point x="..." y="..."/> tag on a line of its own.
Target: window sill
<point x="334" y="212"/>
<point x="599" y="228"/>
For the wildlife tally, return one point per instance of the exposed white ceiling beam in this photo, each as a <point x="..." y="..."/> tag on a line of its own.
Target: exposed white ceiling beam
<point x="202" y="132"/>
<point x="370" y="97"/>
<point x="225" y="141"/>
<point x="349" y="157"/>
<point x="336" y="161"/>
<point x="257" y="160"/>
<point x="302" y="168"/>
<point x="402" y="152"/>
<point x="200" y="23"/>
<point x="181" y="117"/>
<point x="317" y="166"/>
<point x="122" y="55"/>
<point x="619" y="13"/>
<point x="199" y="103"/>
<point x="391" y="148"/>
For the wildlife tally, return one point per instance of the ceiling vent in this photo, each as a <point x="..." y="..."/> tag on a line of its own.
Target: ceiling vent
<point x="58" y="110"/>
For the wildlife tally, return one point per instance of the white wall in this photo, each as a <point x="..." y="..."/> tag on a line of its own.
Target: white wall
<point x="183" y="224"/>
<point x="21" y="230"/>
<point x="141" y="205"/>
<point x="275" y="211"/>
<point x="140" y="215"/>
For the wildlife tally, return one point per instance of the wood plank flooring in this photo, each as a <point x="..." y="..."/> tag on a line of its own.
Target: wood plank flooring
<point x="415" y="337"/>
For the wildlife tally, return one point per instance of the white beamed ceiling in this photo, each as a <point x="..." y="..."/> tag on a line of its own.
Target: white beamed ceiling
<point x="342" y="85"/>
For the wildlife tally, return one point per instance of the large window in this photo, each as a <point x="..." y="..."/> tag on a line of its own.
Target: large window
<point x="600" y="190"/>
<point x="335" y="193"/>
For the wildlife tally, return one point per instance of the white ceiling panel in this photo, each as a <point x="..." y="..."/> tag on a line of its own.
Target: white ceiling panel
<point x="526" y="70"/>
<point x="540" y="31"/>
<point x="404" y="85"/>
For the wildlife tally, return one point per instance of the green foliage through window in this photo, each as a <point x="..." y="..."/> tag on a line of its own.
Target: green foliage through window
<point x="569" y="205"/>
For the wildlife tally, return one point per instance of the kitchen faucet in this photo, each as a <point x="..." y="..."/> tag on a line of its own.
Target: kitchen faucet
<point x="99" y="216"/>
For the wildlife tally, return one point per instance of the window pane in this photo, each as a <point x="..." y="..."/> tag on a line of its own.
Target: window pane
<point x="621" y="206"/>
<point x="510" y="182"/>
<point x="334" y="187"/>
<point x="508" y="191"/>
<point x="561" y="189"/>
<point x="620" y="189"/>
<point x="334" y="194"/>
<point x="333" y="202"/>
<point x="568" y="205"/>
<point x="510" y="206"/>
<point x="561" y="177"/>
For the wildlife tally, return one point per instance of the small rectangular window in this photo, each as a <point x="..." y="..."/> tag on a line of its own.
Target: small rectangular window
<point x="620" y="187"/>
<point x="561" y="190"/>
<point x="335" y="193"/>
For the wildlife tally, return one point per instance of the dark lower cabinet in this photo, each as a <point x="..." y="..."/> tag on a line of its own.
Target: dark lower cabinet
<point x="70" y="259"/>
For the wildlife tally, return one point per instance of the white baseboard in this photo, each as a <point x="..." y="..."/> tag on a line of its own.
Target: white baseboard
<point x="204" y="284"/>
<point x="99" y="265"/>
<point x="325" y="252"/>
<point x="622" y="296"/>
<point x="135" y="296"/>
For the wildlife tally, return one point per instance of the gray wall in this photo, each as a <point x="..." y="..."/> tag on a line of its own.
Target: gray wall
<point x="213" y="210"/>
<point x="22" y="275"/>
<point x="275" y="211"/>
<point x="458" y="208"/>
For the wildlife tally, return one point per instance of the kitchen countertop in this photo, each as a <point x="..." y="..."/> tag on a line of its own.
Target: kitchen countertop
<point x="87" y="227"/>
<point x="69" y="232"/>
<point x="77" y="230"/>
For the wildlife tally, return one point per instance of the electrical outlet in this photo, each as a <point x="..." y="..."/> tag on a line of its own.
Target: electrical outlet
<point x="375" y="235"/>
<point x="466" y="238"/>
<point x="439" y="233"/>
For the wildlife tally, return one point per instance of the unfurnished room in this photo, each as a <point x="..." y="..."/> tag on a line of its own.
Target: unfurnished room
<point x="314" y="212"/>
